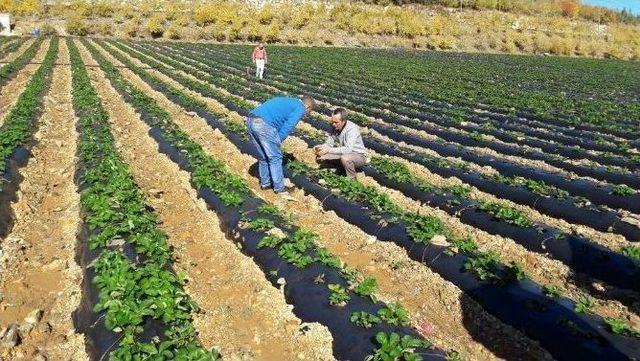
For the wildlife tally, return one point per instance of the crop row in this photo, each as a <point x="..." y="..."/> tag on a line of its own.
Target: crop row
<point x="10" y="69"/>
<point x="576" y="252"/>
<point x="390" y="109"/>
<point x="608" y="221"/>
<point x="133" y="298"/>
<point x="378" y="85"/>
<point x="523" y="85"/>
<point x="17" y="129"/>
<point x="473" y="139"/>
<point x="293" y="256"/>
<point x="12" y="44"/>
<point x="502" y="288"/>
<point x="607" y="195"/>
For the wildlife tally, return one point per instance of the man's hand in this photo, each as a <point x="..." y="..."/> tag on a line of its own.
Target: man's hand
<point x="320" y="150"/>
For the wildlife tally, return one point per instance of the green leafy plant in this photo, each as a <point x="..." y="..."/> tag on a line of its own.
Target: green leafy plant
<point x="623" y="190"/>
<point x="454" y="356"/>
<point x="364" y="319"/>
<point x="394" y="314"/>
<point x="552" y="291"/>
<point x="396" y="348"/>
<point x="260" y="224"/>
<point x="620" y="327"/>
<point x="631" y="251"/>
<point x="459" y="190"/>
<point x="367" y="288"/>
<point x="585" y="304"/>
<point x="338" y="295"/>
<point x="505" y="213"/>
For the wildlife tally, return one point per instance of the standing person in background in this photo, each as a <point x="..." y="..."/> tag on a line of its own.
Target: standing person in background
<point x="259" y="57"/>
<point x="344" y="148"/>
<point x="269" y="125"/>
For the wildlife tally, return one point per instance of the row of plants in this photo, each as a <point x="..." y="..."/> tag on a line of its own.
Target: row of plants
<point x="374" y="87"/>
<point x="446" y="134"/>
<point x="132" y="265"/>
<point x="295" y="246"/>
<point x="382" y="106"/>
<point x="18" y="125"/>
<point x="484" y="267"/>
<point x="439" y="165"/>
<point x="12" y="44"/>
<point x="553" y="88"/>
<point x="16" y="131"/>
<point x="18" y="63"/>
<point x="608" y="173"/>
<point x="580" y="254"/>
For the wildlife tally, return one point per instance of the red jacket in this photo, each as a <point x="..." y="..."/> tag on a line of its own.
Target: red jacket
<point x="259" y="53"/>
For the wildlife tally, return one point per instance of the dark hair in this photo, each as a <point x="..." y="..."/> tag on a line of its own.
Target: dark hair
<point x="342" y="112"/>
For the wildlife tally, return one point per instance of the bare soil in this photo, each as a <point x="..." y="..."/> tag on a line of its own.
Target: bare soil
<point x="11" y="56"/>
<point x="10" y="91"/>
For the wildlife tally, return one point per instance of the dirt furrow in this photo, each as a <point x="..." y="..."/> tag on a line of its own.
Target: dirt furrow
<point x="10" y="91"/>
<point x="457" y="321"/>
<point x="40" y="278"/>
<point x="11" y="56"/>
<point x="245" y="316"/>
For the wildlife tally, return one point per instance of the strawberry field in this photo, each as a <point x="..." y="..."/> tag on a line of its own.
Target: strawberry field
<point x="498" y="218"/>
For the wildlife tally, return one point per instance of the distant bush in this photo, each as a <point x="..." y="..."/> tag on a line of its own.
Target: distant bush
<point x="47" y="30"/>
<point x="272" y="34"/>
<point x="266" y="14"/>
<point x="76" y="25"/>
<point x="103" y="9"/>
<point x="131" y="28"/>
<point x="217" y="13"/>
<point x="182" y="20"/>
<point x="155" y="25"/>
<point x="103" y="29"/>
<point x="174" y="32"/>
<point x="409" y="24"/>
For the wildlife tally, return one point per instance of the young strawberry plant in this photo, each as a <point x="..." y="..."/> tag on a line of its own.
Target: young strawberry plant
<point x="396" y="348"/>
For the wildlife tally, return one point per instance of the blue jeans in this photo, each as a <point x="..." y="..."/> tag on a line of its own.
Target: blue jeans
<point x="267" y="142"/>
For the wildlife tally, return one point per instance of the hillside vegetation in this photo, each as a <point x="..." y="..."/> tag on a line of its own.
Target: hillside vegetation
<point x="507" y="26"/>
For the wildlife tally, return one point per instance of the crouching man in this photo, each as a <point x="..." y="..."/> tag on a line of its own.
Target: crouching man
<point x="343" y="148"/>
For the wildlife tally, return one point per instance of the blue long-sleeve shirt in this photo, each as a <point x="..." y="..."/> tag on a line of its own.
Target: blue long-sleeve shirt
<point x="282" y="113"/>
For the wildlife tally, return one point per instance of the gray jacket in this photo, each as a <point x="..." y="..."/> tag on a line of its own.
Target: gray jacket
<point x="348" y="140"/>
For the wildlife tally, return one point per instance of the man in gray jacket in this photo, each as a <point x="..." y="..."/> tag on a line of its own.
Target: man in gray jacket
<point x="344" y="147"/>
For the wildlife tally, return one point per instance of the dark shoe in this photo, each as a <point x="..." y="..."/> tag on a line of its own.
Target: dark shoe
<point x="286" y="189"/>
<point x="265" y="187"/>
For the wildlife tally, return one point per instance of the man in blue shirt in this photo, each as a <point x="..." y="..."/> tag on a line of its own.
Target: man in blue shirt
<point x="269" y="125"/>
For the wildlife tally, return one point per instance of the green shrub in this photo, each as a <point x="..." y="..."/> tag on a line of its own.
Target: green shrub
<point x="218" y="13"/>
<point x="75" y="25"/>
<point x="103" y="9"/>
<point x="409" y="24"/>
<point x="103" y="29"/>
<point x="47" y="30"/>
<point x="155" y="25"/>
<point x="173" y="32"/>
<point x="131" y="28"/>
<point x="266" y="14"/>
<point x="272" y="34"/>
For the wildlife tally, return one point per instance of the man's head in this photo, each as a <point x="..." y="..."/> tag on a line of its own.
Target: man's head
<point x="339" y="118"/>
<point x="261" y="45"/>
<point x="309" y="103"/>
